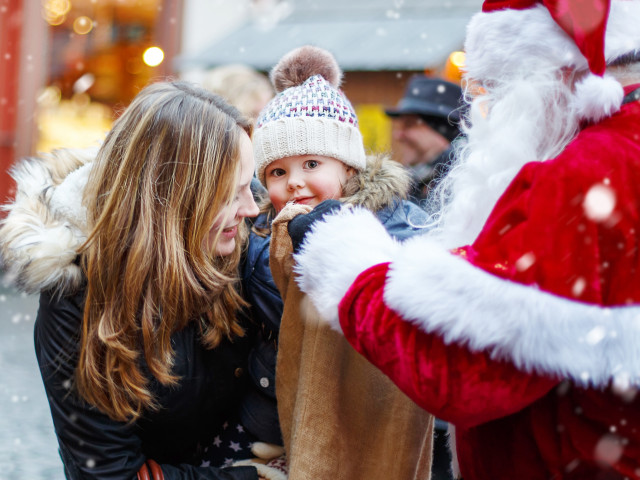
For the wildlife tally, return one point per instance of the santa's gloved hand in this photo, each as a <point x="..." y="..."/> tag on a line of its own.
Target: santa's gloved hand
<point x="300" y="225"/>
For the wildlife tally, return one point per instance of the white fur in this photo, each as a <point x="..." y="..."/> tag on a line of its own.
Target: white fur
<point x="598" y="97"/>
<point x="498" y="40"/>
<point x="623" y="32"/>
<point x="361" y="241"/>
<point x="43" y="228"/>
<point x="537" y="331"/>
<point x="530" y="119"/>
<point x="66" y="199"/>
<point x="507" y="42"/>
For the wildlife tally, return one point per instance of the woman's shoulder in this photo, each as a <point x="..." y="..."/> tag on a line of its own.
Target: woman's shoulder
<point x="57" y="331"/>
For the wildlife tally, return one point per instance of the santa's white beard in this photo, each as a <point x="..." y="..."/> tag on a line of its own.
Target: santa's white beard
<point x="521" y="120"/>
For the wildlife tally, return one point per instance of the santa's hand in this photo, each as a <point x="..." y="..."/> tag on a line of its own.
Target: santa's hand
<point x="300" y="225"/>
<point x="335" y="251"/>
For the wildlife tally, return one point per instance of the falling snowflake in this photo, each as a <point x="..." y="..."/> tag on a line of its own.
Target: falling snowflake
<point x="599" y="202"/>
<point x="608" y="450"/>
<point x="578" y="287"/>
<point x="525" y="261"/>
<point x="596" y="335"/>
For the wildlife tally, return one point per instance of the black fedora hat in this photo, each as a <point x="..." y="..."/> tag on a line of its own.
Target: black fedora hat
<point x="429" y="97"/>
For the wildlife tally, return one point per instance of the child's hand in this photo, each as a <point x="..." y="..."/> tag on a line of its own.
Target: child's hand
<point x="267" y="451"/>
<point x="275" y="469"/>
<point x="300" y="225"/>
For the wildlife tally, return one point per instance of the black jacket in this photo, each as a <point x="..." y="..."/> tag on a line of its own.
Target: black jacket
<point x="39" y="238"/>
<point x="94" y="446"/>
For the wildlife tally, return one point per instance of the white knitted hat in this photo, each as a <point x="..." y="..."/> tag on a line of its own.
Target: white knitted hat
<point x="309" y="115"/>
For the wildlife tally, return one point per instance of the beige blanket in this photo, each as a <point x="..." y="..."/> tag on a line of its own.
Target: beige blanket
<point x="341" y="418"/>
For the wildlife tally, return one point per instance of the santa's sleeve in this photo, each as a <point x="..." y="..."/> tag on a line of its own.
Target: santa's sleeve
<point x="513" y="313"/>
<point x="451" y="381"/>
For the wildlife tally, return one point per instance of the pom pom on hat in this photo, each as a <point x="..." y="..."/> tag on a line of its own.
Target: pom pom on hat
<point x="298" y="65"/>
<point x="597" y="97"/>
<point x="309" y="115"/>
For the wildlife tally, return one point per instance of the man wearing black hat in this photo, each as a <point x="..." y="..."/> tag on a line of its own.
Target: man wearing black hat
<point x="425" y="124"/>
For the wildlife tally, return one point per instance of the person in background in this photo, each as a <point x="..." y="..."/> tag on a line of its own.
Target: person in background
<point x="425" y="123"/>
<point x="242" y="86"/>
<point x="134" y="251"/>
<point x="516" y="318"/>
<point x="339" y="415"/>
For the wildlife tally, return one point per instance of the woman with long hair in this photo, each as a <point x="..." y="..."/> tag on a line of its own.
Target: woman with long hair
<point x="134" y="251"/>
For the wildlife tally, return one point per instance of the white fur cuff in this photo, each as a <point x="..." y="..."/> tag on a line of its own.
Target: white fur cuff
<point x="534" y="330"/>
<point x="335" y="252"/>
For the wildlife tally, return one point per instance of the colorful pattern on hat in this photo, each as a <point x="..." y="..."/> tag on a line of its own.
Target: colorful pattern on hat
<point x="314" y="98"/>
<point x="313" y="118"/>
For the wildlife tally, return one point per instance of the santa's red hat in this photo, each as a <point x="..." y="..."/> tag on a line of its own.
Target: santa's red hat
<point x="583" y="34"/>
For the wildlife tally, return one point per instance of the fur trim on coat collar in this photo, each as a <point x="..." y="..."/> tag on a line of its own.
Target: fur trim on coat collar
<point x="46" y="223"/>
<point x="379" y="185"/>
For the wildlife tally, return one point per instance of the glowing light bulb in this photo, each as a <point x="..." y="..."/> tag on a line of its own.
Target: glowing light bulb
<point x="153" y="56"/>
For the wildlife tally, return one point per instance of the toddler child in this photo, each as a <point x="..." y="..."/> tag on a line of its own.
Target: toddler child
<point x="308" y="149"/>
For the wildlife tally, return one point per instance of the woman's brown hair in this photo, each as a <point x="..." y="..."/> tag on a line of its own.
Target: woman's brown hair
<point x="167" y="167"/>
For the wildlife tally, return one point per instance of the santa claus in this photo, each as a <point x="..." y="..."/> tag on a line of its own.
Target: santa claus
<point x="516" y="318"/>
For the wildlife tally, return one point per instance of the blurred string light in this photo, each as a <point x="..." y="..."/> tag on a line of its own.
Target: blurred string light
<point x="84" y="83"/>
<point x="153" y="56"/>
<point x="49" y="96"/>
<point x="55" y="11"/>
<point x="82" y="25"/>
<point x="454" y="66"/>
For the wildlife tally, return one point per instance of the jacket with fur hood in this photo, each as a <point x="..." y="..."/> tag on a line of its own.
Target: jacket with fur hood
<point x="39" y="238"/>
<point x="379" y="188"/>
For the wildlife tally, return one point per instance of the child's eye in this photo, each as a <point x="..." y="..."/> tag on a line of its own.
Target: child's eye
<point x="276" y="172"/>
<point x="312" y="164"/>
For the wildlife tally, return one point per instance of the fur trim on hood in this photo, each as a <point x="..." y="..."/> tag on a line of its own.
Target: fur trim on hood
<point x="46" y="223"/>
<point x="378" y="185"/>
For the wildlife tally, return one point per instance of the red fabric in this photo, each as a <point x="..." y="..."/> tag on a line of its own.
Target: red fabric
<point x="512" y="424"/>
<point x="584" y="21"/>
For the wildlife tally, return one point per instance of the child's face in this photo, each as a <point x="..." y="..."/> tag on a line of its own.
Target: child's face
<point x="306" y="179"/>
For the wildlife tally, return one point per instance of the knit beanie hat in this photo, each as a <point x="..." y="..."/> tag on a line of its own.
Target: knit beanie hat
<point x="309" y="115"/>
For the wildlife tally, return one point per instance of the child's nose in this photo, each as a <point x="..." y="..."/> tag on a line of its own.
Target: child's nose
<point x="295" y="181"/>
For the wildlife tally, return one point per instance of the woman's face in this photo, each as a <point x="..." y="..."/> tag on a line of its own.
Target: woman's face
<point x="225" y="227"/>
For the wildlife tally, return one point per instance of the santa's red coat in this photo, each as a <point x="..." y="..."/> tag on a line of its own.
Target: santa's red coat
<point x="528" y="340"/>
